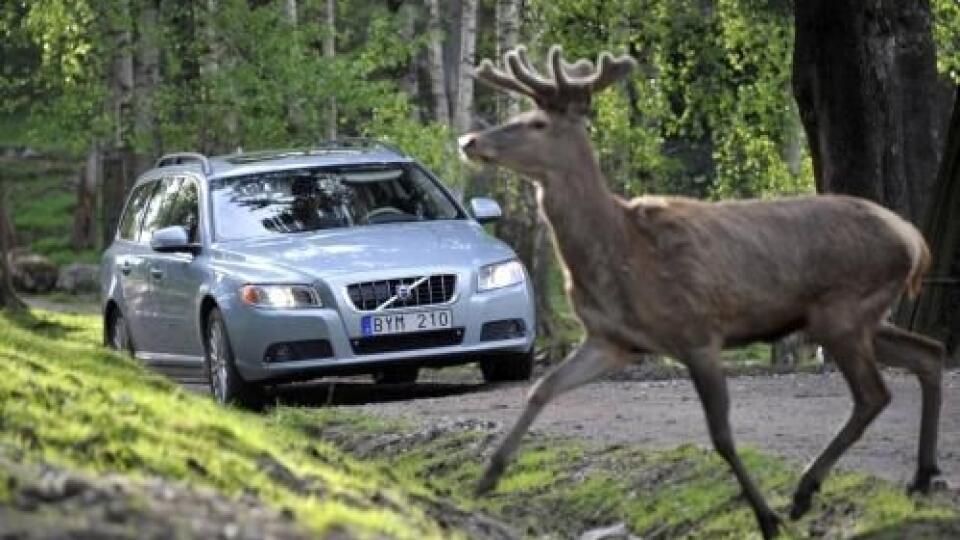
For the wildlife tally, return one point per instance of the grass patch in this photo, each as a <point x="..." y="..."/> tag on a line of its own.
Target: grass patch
<point x="64" y="400"/>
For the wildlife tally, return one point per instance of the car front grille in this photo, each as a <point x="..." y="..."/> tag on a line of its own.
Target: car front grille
<point x="407" y="342"/>
<point x="403" y="292"/>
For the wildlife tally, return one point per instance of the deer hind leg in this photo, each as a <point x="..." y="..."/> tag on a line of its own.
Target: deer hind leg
<point x="589" y="361"/>
<point x="854" y="358"/>
<point x="924" y="358"/>
<point x="711" y="385"/>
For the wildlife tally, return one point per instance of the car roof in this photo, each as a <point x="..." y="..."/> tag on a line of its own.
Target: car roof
<point x="244" y="163"/>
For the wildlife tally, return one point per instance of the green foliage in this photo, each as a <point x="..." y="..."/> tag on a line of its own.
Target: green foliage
<point x="710" y="111"/>
<point x="946" y="33"/>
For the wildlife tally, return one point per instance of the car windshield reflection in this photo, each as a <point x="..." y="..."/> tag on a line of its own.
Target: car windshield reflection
<point x="305" y="200"/>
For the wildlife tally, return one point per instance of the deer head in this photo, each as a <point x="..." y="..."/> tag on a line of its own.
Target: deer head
<point x="537" y="141"/>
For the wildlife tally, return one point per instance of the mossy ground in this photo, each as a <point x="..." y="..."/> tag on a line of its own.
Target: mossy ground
<point x="65" y="400"/>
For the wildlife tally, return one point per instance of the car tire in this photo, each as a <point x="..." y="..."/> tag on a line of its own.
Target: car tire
<point x="226" y="384"/>
<point x="397" y="375"/>
<point x="118" y="334"/>
<point x="508" y="367"/>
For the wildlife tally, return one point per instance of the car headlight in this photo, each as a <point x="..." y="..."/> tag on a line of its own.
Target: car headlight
<point x="495" y="276"/>
<point x="280" y="296"/>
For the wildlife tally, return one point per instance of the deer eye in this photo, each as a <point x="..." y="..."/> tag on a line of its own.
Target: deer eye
<point x="538" y="124"/>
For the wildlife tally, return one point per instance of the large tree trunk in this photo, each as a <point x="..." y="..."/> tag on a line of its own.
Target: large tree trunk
<point x="937" y="311"/>
<point x="122" y="160"/>
<point x="438" y="79"/>
<point x="410" y="81"/>
<point x="866" y="83"/>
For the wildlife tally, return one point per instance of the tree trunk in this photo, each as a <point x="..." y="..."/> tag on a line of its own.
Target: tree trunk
<point x="866" y="83"/>
<point x="330" y="52"/>
<point x="147" y="78"/>
<point x="937" y="311"/>
<point x="84" y="234"/>
<point x="8" y="296"/>
<point x="463" y="115"/>
<point x="438" y="79"/>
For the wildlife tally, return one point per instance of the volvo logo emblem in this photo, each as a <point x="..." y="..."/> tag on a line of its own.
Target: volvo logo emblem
<point x="404" y="292"/>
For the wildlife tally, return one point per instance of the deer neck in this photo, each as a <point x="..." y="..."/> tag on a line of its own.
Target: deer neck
<point x="585" y="218"/>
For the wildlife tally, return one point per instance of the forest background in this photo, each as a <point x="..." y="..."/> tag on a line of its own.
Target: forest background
<point x="93" y="91"/>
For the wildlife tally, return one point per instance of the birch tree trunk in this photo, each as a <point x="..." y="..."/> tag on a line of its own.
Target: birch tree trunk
<point x="330" y="52"/>
<point x="463" y="115"/>
<point x="440" y="102"/>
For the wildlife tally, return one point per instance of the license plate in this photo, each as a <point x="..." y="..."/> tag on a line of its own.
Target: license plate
<point x="402" y="323"/>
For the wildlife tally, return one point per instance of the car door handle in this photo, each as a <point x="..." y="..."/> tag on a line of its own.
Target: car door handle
<point x="156" y="273"/>
<point x="125" y="267"/>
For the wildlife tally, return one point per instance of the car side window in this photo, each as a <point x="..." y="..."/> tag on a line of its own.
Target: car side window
<point x="133" y="215"/>
<point x="185" y="209"/>
<point x="154" y="215"/>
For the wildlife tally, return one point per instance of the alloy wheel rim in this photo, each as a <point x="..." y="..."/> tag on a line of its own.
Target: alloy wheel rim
<point x="117" y="335"/>
<point x="217" y="362"/>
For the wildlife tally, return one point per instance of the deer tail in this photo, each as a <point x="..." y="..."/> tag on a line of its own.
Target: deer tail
<point x="920" y="257"/>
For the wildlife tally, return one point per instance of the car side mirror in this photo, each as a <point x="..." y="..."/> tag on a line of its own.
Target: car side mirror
<point x="173" y="240"/>
<point x="485" y="210"/>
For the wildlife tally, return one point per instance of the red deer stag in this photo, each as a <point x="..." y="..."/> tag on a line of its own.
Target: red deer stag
<point x="686" y="278"/>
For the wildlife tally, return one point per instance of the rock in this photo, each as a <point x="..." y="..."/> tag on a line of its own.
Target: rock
<point x="33" y="273"/>
<point x="77" y="278"/>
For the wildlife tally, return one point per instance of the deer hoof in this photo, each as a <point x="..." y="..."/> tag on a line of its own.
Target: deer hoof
<point x="921" y="482"/>
<point x="802" y="499"/>
<point x="769" y="525"/>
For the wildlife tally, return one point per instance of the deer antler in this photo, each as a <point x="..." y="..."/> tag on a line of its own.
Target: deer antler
<point x="568" y="88"/>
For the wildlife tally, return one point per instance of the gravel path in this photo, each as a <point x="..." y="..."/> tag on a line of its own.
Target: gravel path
<point x="792" y="416"/>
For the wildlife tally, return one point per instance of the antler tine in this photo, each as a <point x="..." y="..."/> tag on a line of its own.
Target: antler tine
<point x="610" y="70"/>
<point x="519" y="65"/>
<point x="487" y="73"/>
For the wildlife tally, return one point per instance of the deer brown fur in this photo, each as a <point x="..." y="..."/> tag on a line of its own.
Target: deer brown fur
<point x="686" y="278"/>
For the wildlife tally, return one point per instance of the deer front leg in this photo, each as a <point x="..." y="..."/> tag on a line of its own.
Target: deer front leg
<point x="711" y="385"/>
<point x="589" y="361"/>
<point x="855" y="360"/>
<point x="924" y="358"/>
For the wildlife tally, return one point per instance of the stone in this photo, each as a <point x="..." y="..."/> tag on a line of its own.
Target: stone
<point x="33" y="273"/>
<point x="77" y="278"/>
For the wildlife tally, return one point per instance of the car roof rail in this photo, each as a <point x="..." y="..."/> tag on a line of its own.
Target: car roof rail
<point x="181" y="158"/>
<point x="359" y="143"/>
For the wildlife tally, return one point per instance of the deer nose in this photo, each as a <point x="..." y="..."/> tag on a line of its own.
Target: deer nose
<point x="467" y="140"/>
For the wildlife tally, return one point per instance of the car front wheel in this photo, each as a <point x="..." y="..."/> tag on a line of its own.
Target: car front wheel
<point x="508" y="367"/>
<point x="226" y="383"/>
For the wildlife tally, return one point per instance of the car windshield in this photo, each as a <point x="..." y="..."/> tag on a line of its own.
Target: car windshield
<point x="302" y="200"/>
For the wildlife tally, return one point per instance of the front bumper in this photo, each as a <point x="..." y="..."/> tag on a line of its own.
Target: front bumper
<point x="253" y="331"/>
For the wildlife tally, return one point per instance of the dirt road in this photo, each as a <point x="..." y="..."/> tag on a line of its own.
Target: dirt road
<point x="792" y="416"/>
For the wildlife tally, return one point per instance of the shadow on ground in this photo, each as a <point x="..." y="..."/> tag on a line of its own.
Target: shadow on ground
<point x="915" y="530"/>
<point x="335" y="392"/>
<point x="339" y="391"/>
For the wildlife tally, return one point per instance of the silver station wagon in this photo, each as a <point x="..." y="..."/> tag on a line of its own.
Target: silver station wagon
<point x="281" y="266"/>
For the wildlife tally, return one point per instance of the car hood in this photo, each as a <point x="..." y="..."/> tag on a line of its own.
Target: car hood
<point x="371" y="248"/>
